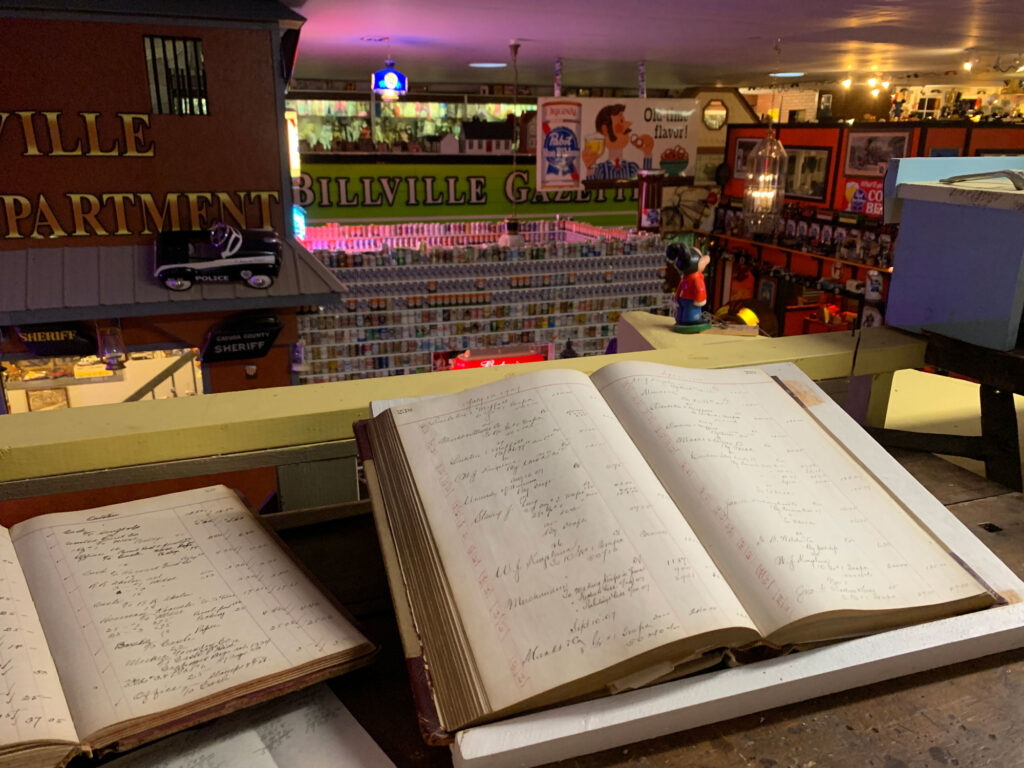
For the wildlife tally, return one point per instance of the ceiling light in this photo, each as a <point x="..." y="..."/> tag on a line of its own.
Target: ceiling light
<point x="488" y="64"/>
<point x="847" y="83"/>
<point x="872" y="81"/>
<point x="1020" y="68"/>
<point x="968" y="65"/>
<point x="785" y="74"/>
<point x="885" y="83"/>
<point x="874" y="91"/>
<point x="389" y="83"/>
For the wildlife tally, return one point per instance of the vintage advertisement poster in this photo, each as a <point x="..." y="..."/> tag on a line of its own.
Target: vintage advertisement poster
<point x="612" y="138"/>
<point x="864" y="196"/>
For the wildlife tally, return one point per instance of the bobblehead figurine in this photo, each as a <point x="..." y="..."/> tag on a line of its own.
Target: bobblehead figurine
<point x="691" y="293"/>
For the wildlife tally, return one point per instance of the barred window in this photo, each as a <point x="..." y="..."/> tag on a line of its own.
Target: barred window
<point x="177" y="75"/>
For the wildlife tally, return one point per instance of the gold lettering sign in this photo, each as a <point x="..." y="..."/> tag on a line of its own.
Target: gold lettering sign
<point x="55" y="126"/>
<point x="81" y="214"/>
<point x="54" y="133"/>
<point x="47" y="335"/>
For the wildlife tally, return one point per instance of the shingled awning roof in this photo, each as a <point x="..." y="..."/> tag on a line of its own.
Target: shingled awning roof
<point x="85" y="283"/>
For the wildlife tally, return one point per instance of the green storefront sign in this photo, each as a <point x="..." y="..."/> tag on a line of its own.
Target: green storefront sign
<point x="443" y="191"/>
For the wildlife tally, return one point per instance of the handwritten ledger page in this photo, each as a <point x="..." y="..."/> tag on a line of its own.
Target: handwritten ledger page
<point x="32" y="704"/>
<point x="549" y="522"/>
<point x="797" y="524"/>
<point x="156" y="604"/>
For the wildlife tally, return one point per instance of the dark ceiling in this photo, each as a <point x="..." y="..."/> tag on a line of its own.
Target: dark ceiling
<point x="682" y="42"/>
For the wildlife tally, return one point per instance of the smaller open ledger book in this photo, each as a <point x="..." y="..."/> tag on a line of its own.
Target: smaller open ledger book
<point x="551" y="537"/>
<point x="124" y="623"/>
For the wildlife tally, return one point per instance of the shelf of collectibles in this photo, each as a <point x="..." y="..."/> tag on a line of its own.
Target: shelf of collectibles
<point x="827" y="267"/>
<point x="823" y="270"/>
<point x="342" y="121"/>
<point x="419" y="294"/>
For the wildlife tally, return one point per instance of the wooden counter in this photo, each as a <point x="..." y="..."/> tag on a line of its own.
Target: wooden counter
<point x="77" y="440"/>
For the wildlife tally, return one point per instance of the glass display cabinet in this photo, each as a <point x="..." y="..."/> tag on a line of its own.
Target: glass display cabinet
<point x="362" y="123"/>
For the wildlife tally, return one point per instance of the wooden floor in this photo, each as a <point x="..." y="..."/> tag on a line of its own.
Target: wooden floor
<point x="970" y="714"/>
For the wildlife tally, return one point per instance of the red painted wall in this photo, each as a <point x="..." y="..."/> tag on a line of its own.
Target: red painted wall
<point x="76" y="67"/>
<point x="969" y="139"/>
<point x="944" y="139"/>
<point x="993" y="138"/>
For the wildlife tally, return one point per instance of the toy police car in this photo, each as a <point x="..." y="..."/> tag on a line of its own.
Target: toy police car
<point x="218" y="255"/>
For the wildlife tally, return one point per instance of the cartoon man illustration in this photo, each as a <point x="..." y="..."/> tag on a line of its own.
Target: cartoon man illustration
<point x="611" y="122"/>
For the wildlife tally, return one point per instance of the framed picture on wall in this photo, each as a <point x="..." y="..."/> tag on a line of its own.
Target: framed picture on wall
<point x="998" y="152"/>
<point x="47" y="399"/>
<point x="766" y="290"/>
<point x="704" y="170"/>
<point x="743" y="149"/>
<point x="807" y="170"/>
<point x="868" y="152"/>
<point x="944" y="152"/>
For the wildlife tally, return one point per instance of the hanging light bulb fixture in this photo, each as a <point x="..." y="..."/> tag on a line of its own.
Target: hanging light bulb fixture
<point x="389" y="83"/>
<point x="766" y="185"/>
<point x="766" y="179"/>
<point x="511" y="237"/>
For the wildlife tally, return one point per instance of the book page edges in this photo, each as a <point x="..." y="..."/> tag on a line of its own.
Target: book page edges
<point x="46" y="753"/>
<point x="423" y="697"/>
<point x="132" y="733"/>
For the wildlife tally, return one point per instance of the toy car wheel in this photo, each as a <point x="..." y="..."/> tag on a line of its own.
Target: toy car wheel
<point x="260" y="281"/>
<point x="177" y="283"/>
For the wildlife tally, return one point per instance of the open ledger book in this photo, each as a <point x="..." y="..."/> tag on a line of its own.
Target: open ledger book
<point x="124" y="623"/>
<point x="552" y="536"/>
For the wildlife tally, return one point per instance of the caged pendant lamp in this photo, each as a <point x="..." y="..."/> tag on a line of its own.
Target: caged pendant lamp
<point x="766" y="185"/>
<point x="766" y="178"/>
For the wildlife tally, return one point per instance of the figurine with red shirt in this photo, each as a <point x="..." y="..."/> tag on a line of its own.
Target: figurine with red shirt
<point x="691" y="294"/>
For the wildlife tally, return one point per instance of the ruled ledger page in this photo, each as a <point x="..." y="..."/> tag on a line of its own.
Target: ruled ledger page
<point x="32" y="705"/>
<point x="796" y="524"/>
<point x="152" y="604"/>
<point x="564" y="553"/>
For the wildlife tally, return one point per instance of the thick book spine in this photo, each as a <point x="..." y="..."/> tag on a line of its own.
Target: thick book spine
<point x="427" y="717"/>
<point x="423" y="698"/>
<point x="364" y="448"/>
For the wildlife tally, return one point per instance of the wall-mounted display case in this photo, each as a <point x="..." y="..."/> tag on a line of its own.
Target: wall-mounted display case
<point x="362" y="123"/>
